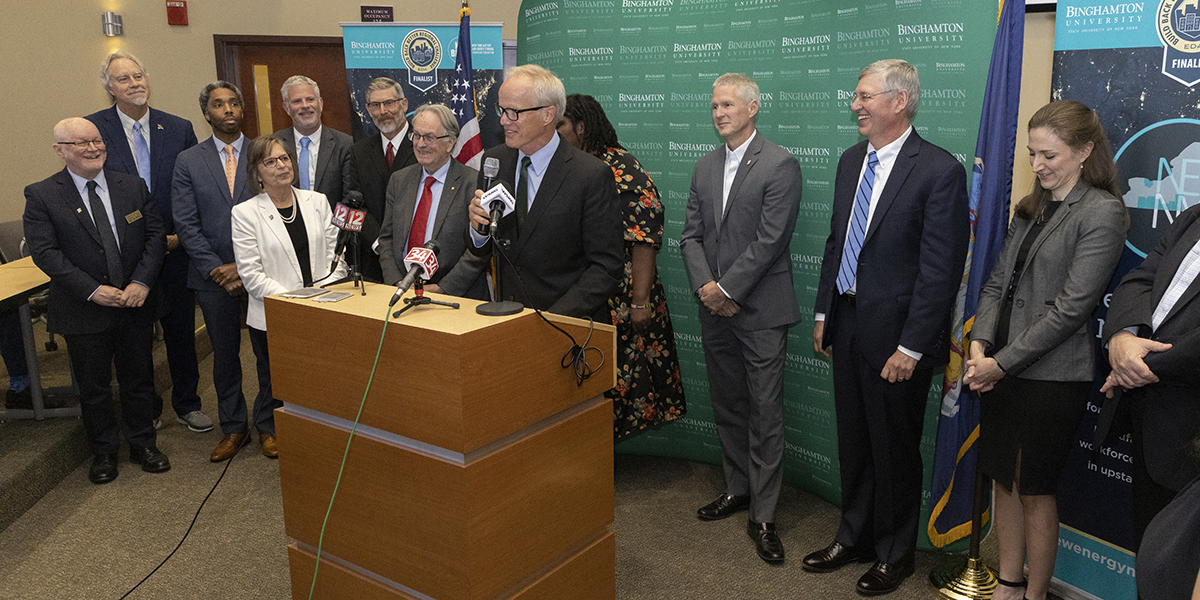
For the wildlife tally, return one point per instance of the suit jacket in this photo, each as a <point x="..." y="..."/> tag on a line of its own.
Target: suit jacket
<point x="745" y="247"/>
<point x="458" y="270"/>
<point x="1171" y="407"/>
<point x="911" y="262"/>
<point x="570" y="251"/>
<point x="65" y="244"/>
<point x="333" y="162"/>
<point x="169" y="135"/>
<point x="369" y="174"/>
<point x="1064" y="277"/>
<point x="266" y="258"/>
<point x="201" y="203"/>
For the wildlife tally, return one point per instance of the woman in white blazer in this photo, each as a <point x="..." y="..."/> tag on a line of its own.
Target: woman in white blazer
<point x="283" y="239"/>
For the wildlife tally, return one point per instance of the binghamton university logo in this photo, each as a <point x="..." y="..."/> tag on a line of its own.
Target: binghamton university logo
<point x="422" y="52"/>
<point x="1178" y="26"/>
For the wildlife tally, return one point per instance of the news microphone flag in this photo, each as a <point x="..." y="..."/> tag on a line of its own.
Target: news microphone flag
<point x="468" y="150"/>
<point x="956" y="453"/>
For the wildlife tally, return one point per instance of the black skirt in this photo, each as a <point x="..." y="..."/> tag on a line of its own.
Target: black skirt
<point x="1035" y="419"/>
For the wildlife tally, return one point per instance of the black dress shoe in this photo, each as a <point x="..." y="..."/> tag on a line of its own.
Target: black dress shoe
<point x="884" y="578"/>
<point x="103" y="469"/>
<point x="833" y="557"/>
<point x="766" y="541"/>
<point x="722" y="507"/>
<point x="150" y="458"/>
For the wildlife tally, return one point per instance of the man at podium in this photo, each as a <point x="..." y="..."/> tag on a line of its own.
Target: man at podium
<point x="563" y="239"/>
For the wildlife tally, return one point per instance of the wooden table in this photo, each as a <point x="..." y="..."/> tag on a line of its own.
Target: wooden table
<point x="19" y="280"/>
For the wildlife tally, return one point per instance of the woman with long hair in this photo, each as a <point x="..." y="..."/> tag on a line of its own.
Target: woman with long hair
<point x="649" y="388"/>
<point x="1032" y="351"/>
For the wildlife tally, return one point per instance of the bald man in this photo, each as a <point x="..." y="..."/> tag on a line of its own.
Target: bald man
<point x="98" y="235"/>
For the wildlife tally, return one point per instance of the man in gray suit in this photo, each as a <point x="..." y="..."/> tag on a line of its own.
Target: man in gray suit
<point x="429" y="200"/>
<point x="322" y="153"/>
<point x="741" y="212"/>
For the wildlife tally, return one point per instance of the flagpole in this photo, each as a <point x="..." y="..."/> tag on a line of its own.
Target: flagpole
<point x="969" y="578"/>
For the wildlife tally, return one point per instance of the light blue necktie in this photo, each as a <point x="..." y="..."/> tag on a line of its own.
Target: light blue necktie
<point x="142" y="153"/>
<point x="304" y="163"/>
<point x="857" y="231"/>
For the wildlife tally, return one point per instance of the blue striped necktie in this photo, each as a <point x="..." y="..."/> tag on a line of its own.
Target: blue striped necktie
<point x="857" y="231"/>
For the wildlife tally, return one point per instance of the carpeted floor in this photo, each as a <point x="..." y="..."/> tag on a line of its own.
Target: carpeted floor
<point x="83" y="541"/>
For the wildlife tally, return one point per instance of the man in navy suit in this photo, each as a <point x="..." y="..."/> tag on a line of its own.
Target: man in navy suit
<point x="323" y="153"/>
<point x="97" y="234"/>
<point x="143" y="141"/>
<point x="375" y="158"/>
<point x="210" y="178"/>
<point x="891" y="270"/>
<point x="1152" y="333"/>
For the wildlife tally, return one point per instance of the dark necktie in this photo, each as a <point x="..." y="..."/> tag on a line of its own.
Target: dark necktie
<point x="112" y="254"/>
<point x="523" y="192"/>
<point x="416" y="233"/>
<point x="391" y="155"/>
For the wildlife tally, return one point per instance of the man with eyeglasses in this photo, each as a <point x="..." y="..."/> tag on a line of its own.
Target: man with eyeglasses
<point x="564" y="241"/>
<point x="144" y="141"/>
<point x="375" y="158"/>
<point x="210" y="178"/>
<point x="890" y="274"/>
<point x="98" y="235"/>
<point x="323" y="153"/>
<point x="429" y="200"/>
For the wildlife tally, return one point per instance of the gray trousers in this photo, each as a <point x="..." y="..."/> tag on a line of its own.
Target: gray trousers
<point x="745" y="380"/>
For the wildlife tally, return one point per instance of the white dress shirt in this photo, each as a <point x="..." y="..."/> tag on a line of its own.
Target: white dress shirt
<point x="314" y="145"/>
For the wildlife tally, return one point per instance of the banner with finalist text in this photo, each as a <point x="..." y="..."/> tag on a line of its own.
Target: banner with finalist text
<point x="420" y="57"/>
<point x="1137" y="65"/>
<point x="651" y="64"/>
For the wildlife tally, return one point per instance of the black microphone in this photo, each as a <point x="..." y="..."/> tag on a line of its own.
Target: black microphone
<point x="420" y="261"/>
<point x="348" y="216"/>
<point x="491" y="168"/>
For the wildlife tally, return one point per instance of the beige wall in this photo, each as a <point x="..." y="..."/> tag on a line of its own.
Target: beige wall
<point x="53" y="49"/>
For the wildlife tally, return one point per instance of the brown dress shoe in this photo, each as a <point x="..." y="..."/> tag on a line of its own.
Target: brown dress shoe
<point x="230" y="444"/>
<point x="270" y="447"/>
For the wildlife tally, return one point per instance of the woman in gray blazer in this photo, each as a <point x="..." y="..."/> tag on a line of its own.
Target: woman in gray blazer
<point x="1032" y="355"/>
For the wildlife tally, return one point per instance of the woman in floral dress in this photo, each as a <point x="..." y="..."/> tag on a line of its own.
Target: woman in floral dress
<point x="649" y="388"/>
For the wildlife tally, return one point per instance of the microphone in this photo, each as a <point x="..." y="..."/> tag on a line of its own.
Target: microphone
<point x="419" y="261"/>
<point x="348" y="216"/>
<point x="491" y="168"/>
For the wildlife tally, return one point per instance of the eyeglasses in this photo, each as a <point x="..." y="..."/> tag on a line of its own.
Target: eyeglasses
<point x="125" y="79"/>
<point x="429" y="139"/>
<point x="863" y="98"/>
<point x="275" y="161"/>
<point x="513" y="114"/>
<point x="388" y="104"/>
<point x="99" y="143"/>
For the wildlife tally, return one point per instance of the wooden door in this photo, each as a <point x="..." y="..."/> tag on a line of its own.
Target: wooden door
<point x="259" y="64"/>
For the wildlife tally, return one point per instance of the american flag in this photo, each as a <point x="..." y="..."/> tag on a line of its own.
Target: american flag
<point x="469" y="147"/>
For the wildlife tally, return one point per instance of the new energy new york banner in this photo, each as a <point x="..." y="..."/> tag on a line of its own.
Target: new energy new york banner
<point x="421" y="59"/>
<point x="651" y="63"/>
<point x="1136" y="64"/>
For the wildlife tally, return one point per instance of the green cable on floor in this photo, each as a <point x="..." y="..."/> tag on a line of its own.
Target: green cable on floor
<point x="321" y="538"/>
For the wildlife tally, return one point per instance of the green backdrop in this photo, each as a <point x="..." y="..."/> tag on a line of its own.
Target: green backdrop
<point x="651" y="64"/>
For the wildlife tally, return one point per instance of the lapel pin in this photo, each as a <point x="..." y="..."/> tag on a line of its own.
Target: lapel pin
<point x="270" y="217"/>
<point x="78" y="210"/>
<point x="160" y="125"/>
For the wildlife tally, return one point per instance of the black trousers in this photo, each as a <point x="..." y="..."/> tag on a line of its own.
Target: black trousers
<point x="879" y="434"/>
<point x="93" y="356"/>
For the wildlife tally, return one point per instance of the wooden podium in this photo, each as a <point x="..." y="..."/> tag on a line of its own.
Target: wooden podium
<point x="479" y="470"/>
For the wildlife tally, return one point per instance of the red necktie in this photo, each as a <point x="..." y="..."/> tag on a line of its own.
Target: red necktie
<point x="391" y="155"/>
<point x="416" y="235"/>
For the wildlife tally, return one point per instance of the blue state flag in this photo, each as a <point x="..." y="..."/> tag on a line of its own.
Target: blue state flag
<point x="991" y="186"/>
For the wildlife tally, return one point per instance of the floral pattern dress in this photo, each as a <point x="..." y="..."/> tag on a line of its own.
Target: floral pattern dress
<point x="649" y="388"/>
